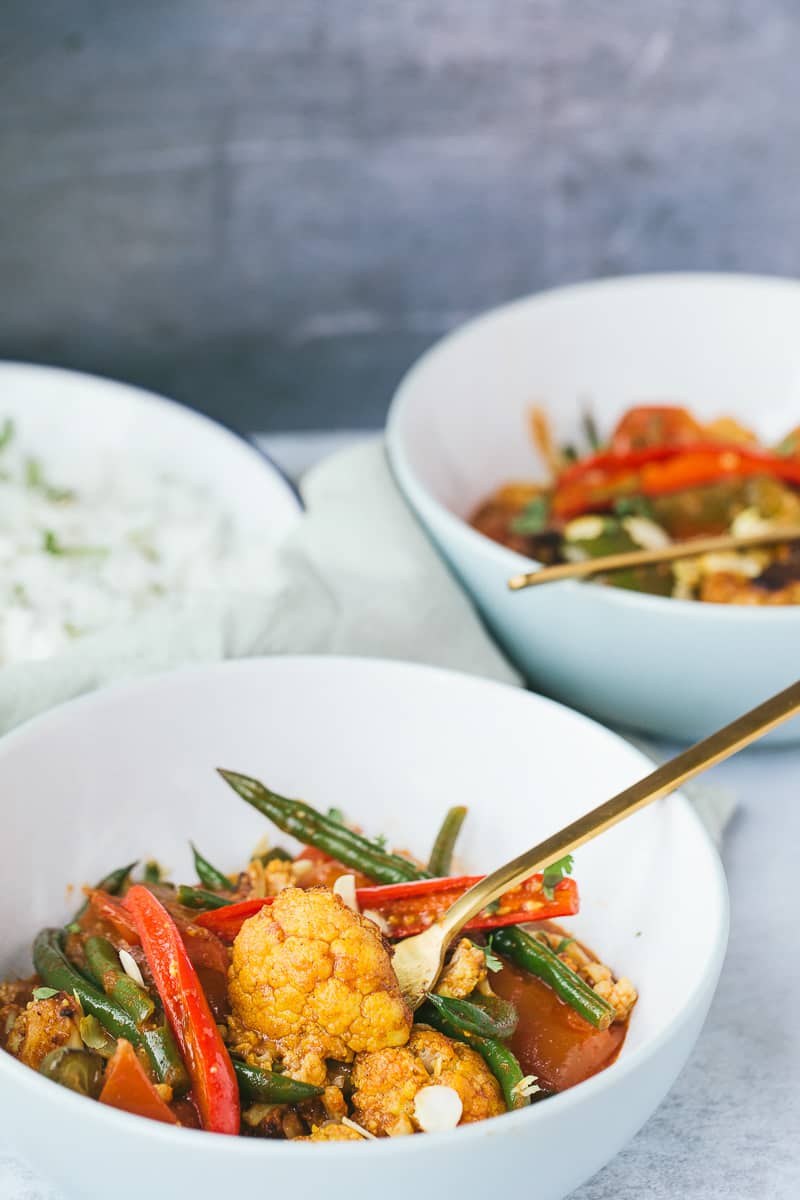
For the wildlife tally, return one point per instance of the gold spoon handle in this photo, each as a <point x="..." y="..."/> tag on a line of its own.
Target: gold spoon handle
<point x="648" y="558"/>
<point x="658" y="783"/>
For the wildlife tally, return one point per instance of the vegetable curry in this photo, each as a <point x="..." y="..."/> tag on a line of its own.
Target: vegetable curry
<point x="661" y="476"/>
<point x="264" y="1003"/>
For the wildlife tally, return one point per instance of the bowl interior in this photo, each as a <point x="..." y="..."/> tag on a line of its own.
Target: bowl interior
<point x="130" y="772"/>
<point x="714" y="343"/>
<point x="74" y="421"/>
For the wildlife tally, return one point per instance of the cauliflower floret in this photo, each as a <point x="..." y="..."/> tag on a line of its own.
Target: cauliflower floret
<point x="620" y="993"/>
<point x="42" y="1026"/>
<point x="267" y="879"/>
<point x="386" y="1082"/>
<point x="465" y="970"/>
<point x="312" y="980"/>
<point x="332" y="1132"/>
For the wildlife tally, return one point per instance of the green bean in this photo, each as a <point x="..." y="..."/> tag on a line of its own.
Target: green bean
<point x="199" y="898"/>
<point x="506" y="1069"/>
<point x="441" y="859"/>
<point x="265" y="1086"/>
<point x="303" y="822"/>
<point x="500" y="1060"/>
<point x="540" y="960"/>
<point x="209" y="874"/>
<point x="112" y="883"/>
<point x="58" y="972"/>
<point x="105" y="966"/>
<point x="163" y="1052"/>
<point x="491" y="1017"/>
<point x="276" y="852"/>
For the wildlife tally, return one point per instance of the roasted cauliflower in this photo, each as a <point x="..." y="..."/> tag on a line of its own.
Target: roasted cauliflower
<point x="312" y="980"/>
<point x="386" y="1082"/>
<point x="42" y="1026"/>
<point x="464" y="972"/>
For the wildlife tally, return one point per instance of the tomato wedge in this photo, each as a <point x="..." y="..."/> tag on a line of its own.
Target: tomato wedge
<point x="126" y="1086"/>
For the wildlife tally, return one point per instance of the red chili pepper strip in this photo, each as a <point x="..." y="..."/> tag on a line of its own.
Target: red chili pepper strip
<point x="413" y="906"/>
<point x="662" y="473"/>
<point x="203" y="948"/>
<point x="108" y="908"/>
<point x="208" y="1062"/>
<point x="226" y="922"/>
<point x="410" y="908"/>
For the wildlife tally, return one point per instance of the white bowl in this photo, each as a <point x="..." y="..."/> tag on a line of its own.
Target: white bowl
<point x="458" y="428"/>
<point x="130" y="771"/>
<point x="69" y="419"/>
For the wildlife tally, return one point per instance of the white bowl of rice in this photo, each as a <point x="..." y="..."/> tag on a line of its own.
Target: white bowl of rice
<point x="113" y="502"/>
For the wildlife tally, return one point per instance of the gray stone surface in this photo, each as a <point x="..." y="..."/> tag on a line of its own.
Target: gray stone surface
<point x="270" y="208"/>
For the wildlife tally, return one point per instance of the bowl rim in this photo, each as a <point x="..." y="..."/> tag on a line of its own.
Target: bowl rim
<point x="613" y="1076"/>
<point x="512" y="562"/>
<point x="156" y="400"/>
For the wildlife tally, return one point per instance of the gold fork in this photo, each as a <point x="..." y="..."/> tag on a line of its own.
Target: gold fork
<point x="418" y="960"/>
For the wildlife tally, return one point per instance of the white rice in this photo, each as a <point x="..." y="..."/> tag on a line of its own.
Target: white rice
<point x="78" y="555"/>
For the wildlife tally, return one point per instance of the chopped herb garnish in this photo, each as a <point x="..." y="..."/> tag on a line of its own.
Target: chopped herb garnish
<point x="73" y="927"/>
<point x="51" y="545"/>
<point x="6" y="432"/>
<point x="555" y="873"/>
<point x="44" y="993"/>
<point x="633" y="506"/>
<point x="336" y="815"/>
<point x="569" y="453"/>
<point x="153" y="871"/>
<point x="533" y="518"/>
<point x="493" y="907"/>
<point x="34" y="478"/>
<point x="20" y="594"/>
<point x="493" y="963"/>
<point x="562" y="945"/>
<point x="71" y="630"/>
<point x="590" y="429"/>
<point x="789" y="446"/>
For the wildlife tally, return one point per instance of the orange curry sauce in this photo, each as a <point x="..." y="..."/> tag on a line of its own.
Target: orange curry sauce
<point x="552" y="1042"/>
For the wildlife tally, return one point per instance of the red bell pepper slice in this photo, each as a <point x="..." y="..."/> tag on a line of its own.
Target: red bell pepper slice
<point x="203" y="948"/>
<point x="208" y="1062"/>
<point x="594" y="484"/>
<point x="126" y="1086"/>
<point x="226" y="922"/>
<point x="411" y="907"/>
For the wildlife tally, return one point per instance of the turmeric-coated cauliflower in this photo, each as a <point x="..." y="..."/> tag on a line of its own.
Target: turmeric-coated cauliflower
<point x="386" y="1082"/>
<point x="311" y="980"/>
<point x="43" y="1026"/>
<point x="465" y="970"/>
<point x="332" y="1132"/>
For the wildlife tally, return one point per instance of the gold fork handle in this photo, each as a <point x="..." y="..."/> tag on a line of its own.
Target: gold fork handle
<point x="658" y="783"/>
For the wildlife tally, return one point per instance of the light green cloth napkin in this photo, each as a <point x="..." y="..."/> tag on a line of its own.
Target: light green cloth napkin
<point x="356" y="575"/>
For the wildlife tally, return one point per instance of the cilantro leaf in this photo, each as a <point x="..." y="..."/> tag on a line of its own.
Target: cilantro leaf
<point x="562" y="945"/>
<point x="633" y="506"/>
<point x="533" y="518"/>
<point x="493" y="963"/>
<point x="44" y="993"/>
<point x="336" y="815"/>
<point x="555" y="873"/>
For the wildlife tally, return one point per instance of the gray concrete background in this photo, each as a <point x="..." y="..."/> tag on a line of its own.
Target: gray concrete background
<point x="268" y="209"/>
